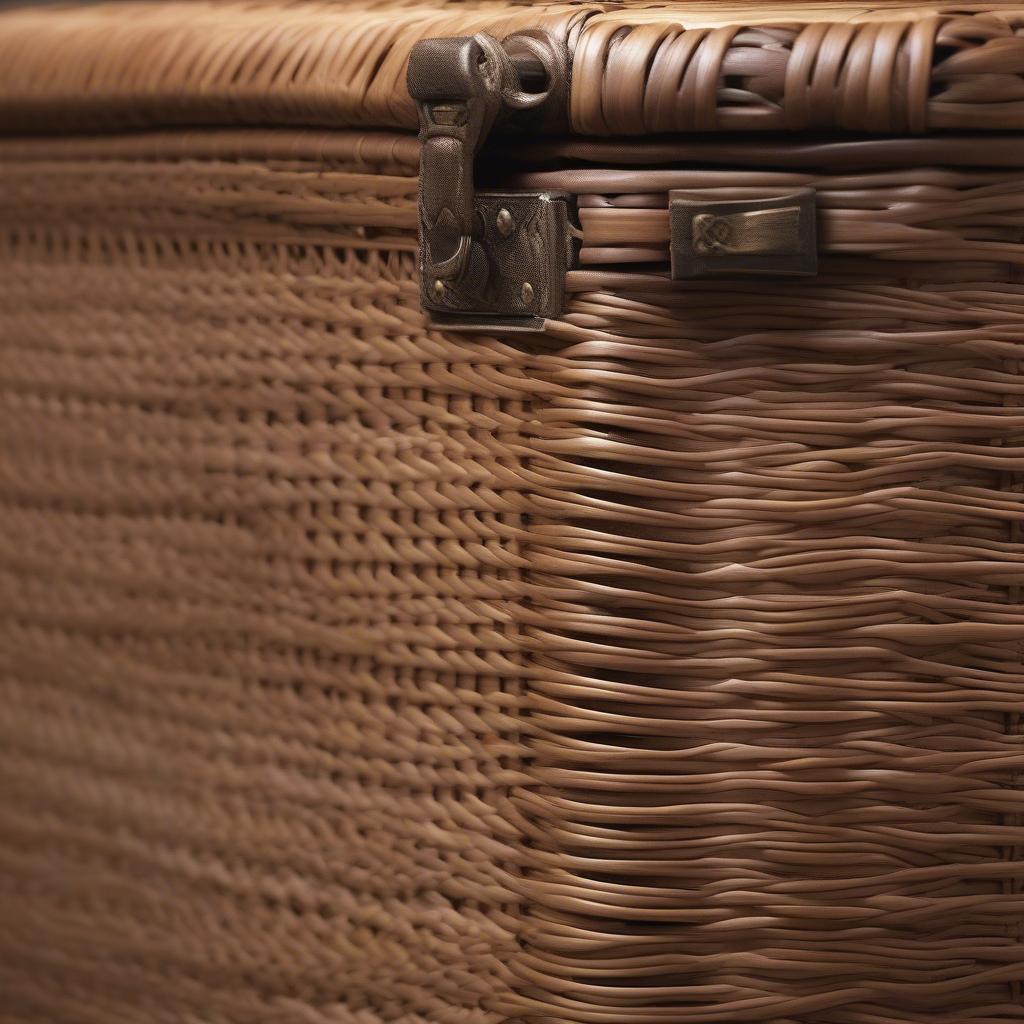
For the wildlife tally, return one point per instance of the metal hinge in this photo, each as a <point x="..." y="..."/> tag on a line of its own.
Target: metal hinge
<point x="488" y="260"/>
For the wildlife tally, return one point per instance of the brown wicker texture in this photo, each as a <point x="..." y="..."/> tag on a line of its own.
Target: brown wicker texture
<point x="664" y="665"/>
<point x="637" y="68"/>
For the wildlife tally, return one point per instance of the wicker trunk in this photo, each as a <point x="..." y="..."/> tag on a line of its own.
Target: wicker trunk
<point x="606" y="612"/>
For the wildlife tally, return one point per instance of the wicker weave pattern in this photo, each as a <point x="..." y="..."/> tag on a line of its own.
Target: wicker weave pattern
<point x="778" y="611"/>
<point x="663" y="665"/>
<point x="776" y="569"/>
<point x="637" y="68"/>
<point x="904" y="215"/>
<point x="232" y="63"/>
<point x="258" y="667"/>
<point x="908" y="74"/>
<point x="670" y="659"/>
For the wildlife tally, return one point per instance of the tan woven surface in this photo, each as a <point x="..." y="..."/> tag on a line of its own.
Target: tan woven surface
<point x="780" y="619"/>
<point x="259" y="717"/>
<point x="359" y="673"/>
<point x="147" y="62"/>
<point x="662" y="665"/>
<point x="637" y="68"/>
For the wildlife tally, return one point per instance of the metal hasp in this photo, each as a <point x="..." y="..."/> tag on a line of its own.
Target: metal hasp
<point x="489" y="259"/>
<point x="774" y="234"/>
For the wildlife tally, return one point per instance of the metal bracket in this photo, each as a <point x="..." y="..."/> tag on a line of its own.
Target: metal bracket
<point x="490" y="260"/>
<point x="770" y="234"/>
<point x="523" y="240"/>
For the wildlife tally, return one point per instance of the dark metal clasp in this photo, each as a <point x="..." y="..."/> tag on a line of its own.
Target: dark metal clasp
<point x="770" y="235"/>
<point x="491" y="259"/>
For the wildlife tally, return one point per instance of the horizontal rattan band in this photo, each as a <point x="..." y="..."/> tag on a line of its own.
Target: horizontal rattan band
<point x="636" y="70"/>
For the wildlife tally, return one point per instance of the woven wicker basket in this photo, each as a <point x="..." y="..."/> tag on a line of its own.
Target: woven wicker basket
<point x="630" y="637"/>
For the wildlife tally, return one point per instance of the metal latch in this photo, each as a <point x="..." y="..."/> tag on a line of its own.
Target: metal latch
<point x="487" y="259"/>
<point x="772" y="234"/>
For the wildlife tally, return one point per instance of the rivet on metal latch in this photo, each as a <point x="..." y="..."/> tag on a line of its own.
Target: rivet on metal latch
<point x="438" y="289"/>
<point x="506" y="225"/>
<point x="526" y="293"/>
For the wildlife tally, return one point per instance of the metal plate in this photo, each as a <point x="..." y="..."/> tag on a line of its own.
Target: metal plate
<point x="520" y="252"/>
<point x="770" y="235"/>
